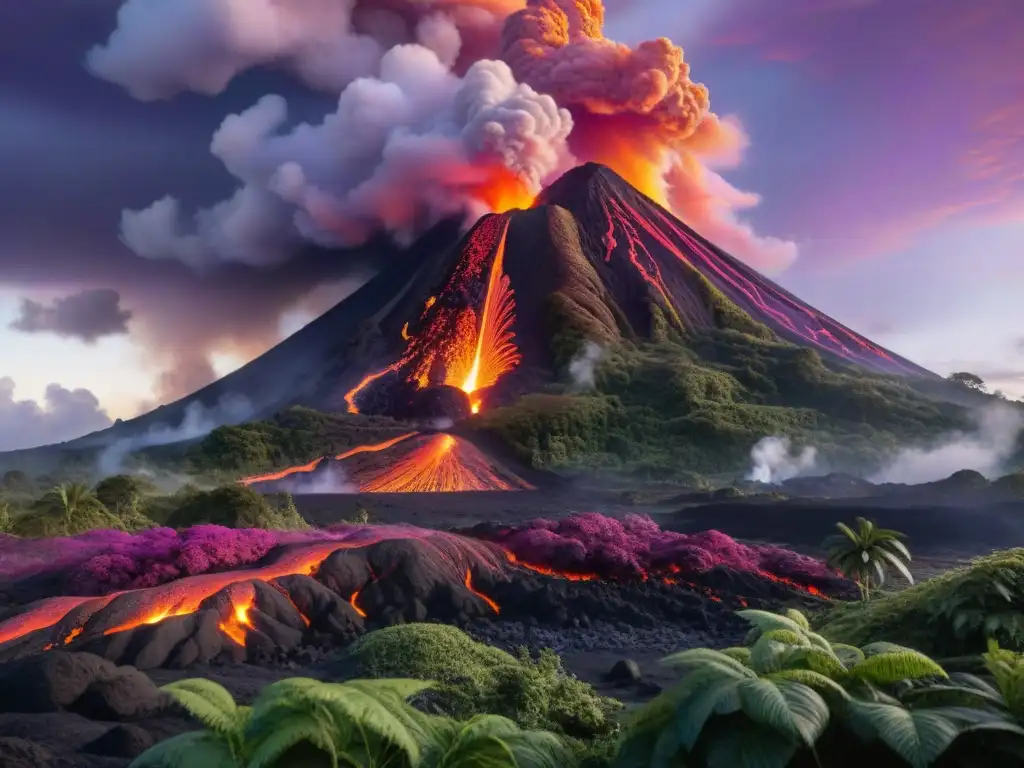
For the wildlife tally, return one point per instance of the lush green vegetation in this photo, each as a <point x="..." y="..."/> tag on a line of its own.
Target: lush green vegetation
<point x="128" y="503"/>
<point x="473" y="678"/>
<point x="659" y="408"/>
<point x="788" y="698"/>
<point x="357" y="723"/>
<point x="950" y="615"/>
<point x="235" y="506"/>
<point x="294" y="436"/>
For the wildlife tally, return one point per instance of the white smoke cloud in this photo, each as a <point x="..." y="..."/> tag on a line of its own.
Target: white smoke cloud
<point x="161" y="49"/>
<point x="773" y="460"/>
<point x="401" y="151"/>
<point x="197" y="422"/>
<point x="984" y="450"/>
<point x="583" y="366"/>
<point x="329" y="480"/>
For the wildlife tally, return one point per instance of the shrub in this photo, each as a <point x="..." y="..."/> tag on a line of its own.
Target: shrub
<point x="949" y="615"/>
<point x="236" y="506"/>
<point x="65" y="511"/>
<point x="475" y="678"/>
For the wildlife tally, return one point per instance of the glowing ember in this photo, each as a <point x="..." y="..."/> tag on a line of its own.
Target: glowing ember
<point x="280" y="475"/>
<point x="469" y="585"/>
<point x="460" y="345"/>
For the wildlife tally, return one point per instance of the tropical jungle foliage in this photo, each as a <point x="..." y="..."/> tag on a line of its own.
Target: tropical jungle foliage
<point x="950" y="615"/>
<point x="365" y="723"/>
<point x="787" y="698"/>
<point x="700" y="405"/>
<point x="129" y="503"/>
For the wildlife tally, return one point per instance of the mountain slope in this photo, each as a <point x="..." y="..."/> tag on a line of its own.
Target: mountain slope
<point x="449" y="331"/>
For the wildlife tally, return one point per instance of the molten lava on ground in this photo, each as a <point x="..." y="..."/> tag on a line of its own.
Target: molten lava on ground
<point x="410" y="463"/>
<point x="339" y="583"/>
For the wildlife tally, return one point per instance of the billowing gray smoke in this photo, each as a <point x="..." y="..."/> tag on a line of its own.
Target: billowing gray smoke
<point x="403" y="149"/>
<point x="197" y="422"/>
<point x="985" y="450"/>
<point x="773" y="460"/>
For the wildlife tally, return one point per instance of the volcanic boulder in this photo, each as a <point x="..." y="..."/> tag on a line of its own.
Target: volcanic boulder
<point x="79" y="682"/>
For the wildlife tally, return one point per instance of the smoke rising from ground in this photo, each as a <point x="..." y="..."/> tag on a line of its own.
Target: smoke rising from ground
<point x="444" y="106"/>
<point x="197" y="422"/>
<point x="583" y="366"/>
<point x="984" y="450"/>
<point x="773" y="460"/>
<point x="329" y="480"/>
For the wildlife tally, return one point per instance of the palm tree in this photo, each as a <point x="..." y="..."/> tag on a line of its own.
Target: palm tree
<point x="865" y="555"/>
<point x="73" y="500"/>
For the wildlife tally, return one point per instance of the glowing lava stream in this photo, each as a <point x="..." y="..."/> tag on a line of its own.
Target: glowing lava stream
<point x="475" y="352"/>
<point x="282" y="474"/>
<point x="496" y="352"/>
<point x="134" y="608"/>
<point x="306" y="468"/>
<point x="469" y="585"/>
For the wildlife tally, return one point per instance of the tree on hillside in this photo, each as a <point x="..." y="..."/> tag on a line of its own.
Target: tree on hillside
<point x="969" y="380"/>
<point x="866" y="554"/>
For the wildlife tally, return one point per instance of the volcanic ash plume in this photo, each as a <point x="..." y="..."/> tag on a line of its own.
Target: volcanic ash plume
<point x="444" y="107"/>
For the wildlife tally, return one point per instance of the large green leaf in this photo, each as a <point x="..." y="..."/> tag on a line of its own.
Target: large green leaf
<point x="196" y="749"/>
<point x="894" y="666"/>
<point x="793" y="709"/>
<point x="919" y="736"/>
<point x="766" y="621"/>
<point x="746" y="745"/>
<point x="694" y="711"/>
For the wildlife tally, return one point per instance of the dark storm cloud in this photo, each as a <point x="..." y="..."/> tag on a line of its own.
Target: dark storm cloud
<point x="65" y="414"/>
<point x="76" y="151"/>
<point x="87" y="315"/>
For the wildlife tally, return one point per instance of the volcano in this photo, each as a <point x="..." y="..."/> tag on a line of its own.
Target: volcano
<point x="455" y="324"/>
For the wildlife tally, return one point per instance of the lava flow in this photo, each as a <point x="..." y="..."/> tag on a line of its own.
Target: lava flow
<point x="283" y="473"/>
<point x="423" y="463"/>
<point x="461" y="341"/>
<point x="122" y="611"/>
<point x="439" y="464"/>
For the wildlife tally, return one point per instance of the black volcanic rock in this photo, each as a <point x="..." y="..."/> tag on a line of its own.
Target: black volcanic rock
<point x="442" y="402"/>
<point x="80" y="682"/>
<point x="20" y="753"/>
<point x="127" y="741"/>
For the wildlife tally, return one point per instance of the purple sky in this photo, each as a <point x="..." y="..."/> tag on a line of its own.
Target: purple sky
<point x="887" y="141"/>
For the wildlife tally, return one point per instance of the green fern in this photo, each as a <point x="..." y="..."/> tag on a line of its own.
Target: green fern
<point x="213" y="706"/>
<point x="490" y="741"/>
<point x="196" y="749"/>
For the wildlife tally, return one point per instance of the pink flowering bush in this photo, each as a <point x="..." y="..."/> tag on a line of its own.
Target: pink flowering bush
<point x="636" y="545"/>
